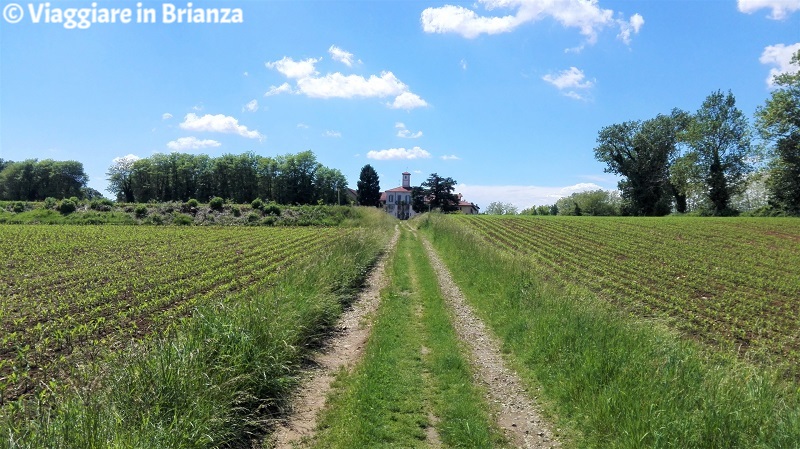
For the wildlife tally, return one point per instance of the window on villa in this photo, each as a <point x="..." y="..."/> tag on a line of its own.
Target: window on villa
<point x="391" y="198"/>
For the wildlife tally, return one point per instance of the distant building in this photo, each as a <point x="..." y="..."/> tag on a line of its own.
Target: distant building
<point x="397" y="201"/>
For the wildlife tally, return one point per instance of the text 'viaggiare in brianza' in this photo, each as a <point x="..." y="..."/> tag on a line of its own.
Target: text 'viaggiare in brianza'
<point x="83" y="18"/>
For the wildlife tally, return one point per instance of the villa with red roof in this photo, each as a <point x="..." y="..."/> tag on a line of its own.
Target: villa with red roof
<point x="397" y="201"/>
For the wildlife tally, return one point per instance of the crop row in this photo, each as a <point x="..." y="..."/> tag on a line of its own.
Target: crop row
<point x="731" y="282"/>
<point x="67" y="292"/>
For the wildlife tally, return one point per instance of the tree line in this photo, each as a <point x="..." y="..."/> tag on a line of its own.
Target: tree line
<point x="288" y="179"/>
<point x="701" y="161"/>
<point x="35" y="180"/>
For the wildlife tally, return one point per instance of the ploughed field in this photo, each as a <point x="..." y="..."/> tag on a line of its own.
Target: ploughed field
<point x="70" y="292"/>
<point x="731" y="283"/>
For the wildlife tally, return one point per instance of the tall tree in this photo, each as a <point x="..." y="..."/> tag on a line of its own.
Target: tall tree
<point x="641" y="152"/>
<point x="720" y="135"/>
<point x="500" y="208"/>
<point x="368" y="187"/>
<point x="439" y="193"/>
<point x="119" y="178"/>
<point x="778" y="122"/>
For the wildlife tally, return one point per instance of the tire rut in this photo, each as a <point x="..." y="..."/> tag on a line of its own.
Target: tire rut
<point x="343" y="351"/>
<point x="517" y="414"/>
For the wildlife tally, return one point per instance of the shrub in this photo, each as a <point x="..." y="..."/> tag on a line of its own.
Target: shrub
<point x="50" y="203"/>
<point x="257" y="204"/>
<point x="192" y="203"/>
<point x="236" y="211"/>
<point x="272" y="209"/>
<point x="101" y="204"/>
<point x="140" y="211"/>
<point x="253" y="217"/>
<point x="182" y="220"/>
<point x="216" y="203"/>
<point x="67" y="207"/>
<point x="18" y="207"/>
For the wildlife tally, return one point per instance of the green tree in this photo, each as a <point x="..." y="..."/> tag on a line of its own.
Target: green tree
<point x="500" y="208"/>
<point x="329" y="184"/>
<point x="120" y="182"/>
<point x="439" y="193"/>
<point x="778" y="123"/>
<point x="641" y="152"/>
<point x="418" y="200"/>
<point x="720" y="135"/>
<point x="368" y="187"/>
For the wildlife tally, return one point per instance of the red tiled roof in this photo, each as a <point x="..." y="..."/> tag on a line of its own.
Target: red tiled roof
<point x="400" y="189"/>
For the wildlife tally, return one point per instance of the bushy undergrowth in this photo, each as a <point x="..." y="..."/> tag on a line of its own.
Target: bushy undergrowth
<point x="616" y="380"/>
<point x="216" y="380"/>
<point x="216" y="213"/>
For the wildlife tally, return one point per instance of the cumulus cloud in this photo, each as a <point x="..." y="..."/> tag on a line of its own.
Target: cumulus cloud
<point x="450" y="157"/>
<point x="330" y="133"/>
<point x="284" y="88"/>
<point x="191" y="143"/>
<point x="251" y="106"/>
<point x="166" y="116"/>
<point x="302" y="125"/>
<point x="403" y="132"/>
<point x="407" y="101"/>
<point x="569" y="82"/>
<point x="218" y="123"/>
<point x="781" y="9"/>
<point x="294" y="69"/>
<point x="522" y="197"/>
<point x="584" y="15"/>
<point x="780" y="57"/>
<point x="338" y="85"/>
<point x="340" y="55"/>
<point x="398" y="153"/>
<point x="631" y="26"/>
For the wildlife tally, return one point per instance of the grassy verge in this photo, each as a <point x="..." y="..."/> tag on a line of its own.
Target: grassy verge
<point x="216" y="381"/>
<point x="386" y="400"/>
<point x="616" y="381"/>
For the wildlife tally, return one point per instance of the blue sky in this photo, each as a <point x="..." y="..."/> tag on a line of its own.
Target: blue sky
<point x="505" y="96"/>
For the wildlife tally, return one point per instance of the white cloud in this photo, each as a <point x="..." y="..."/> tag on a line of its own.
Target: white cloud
<point x="585" y="15"/>
<point x="340" y="55"/>
<point x="780" y="8"/>
<point x="403" y="132"/>
<point x="398" y="153"/>
<point x="218" y="123"/>
<point x="463" y="64"/>
<point x="302" y="125"/>
<point x="246" y="74"/>
<point x="451" y="157"/>
<point x="338" y="85"/>
<point x="198" y="107"/>
<point x="522" y="197"/>
<point x="330" y="133"/>
<point x="568" y="81"/>
<point x="631" y="26"/>
<point x="251" y="106"/>
<point x="125" y="161"/>
<point x="166" y="116"/>
<point x="294" y="69"/>
<point x="780" y="56"/>
<point x="284" y="88"/>
<point x="191" y="143"/>
<point x="407" y="101"/>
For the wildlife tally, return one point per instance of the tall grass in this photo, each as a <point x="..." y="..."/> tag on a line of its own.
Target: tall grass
<point x="216" y="381"/>
<point x="612" y="379"/>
